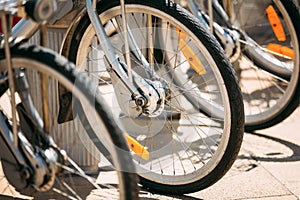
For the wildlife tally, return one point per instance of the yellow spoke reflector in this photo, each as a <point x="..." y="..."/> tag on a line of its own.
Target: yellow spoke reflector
<point x="189" y="54"/>
<point x="275" y="23"/>
<point x="283" y="50"/>
<point x="137" y="148"/>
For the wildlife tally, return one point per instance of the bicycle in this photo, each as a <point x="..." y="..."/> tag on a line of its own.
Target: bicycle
<point x="155" y="97"/>
<point x="36" y="159"/>
<point x="262" y="40"/>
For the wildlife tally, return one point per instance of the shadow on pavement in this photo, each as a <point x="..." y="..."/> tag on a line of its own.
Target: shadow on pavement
<point x="276" y="155"/>
<point x="146" y="195"/>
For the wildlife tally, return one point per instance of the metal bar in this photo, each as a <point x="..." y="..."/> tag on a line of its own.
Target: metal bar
<point x="127" y="52"/>
<point x="210" y="13"/>
<point x="219" y="9"/>
<point x="135" y="51"/>
<point x="229" y="7"/>
<point x="44" y="84"/>
<point x="150" y="39"/>
<point x="24" y="29"/>
<point x="195" y="10"/>
<point x="10" y="76"/>
<point x="107" y="47"/>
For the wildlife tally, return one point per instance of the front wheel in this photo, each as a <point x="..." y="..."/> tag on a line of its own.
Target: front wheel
<point x="88" y="152"/>
<point x="195" y="135"/>
<point x="268" y="52"/>
<point x="269" y="74"/>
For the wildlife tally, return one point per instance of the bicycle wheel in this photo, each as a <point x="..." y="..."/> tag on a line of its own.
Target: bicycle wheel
<point x="268" y="67"/>
<point x="90" y="144"/>
<point x="195" y="135"/>
<point x="272" y="46"/>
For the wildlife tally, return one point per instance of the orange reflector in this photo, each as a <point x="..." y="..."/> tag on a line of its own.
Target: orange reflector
<point x="137" y="148"/>
<point x="189" y="54"/>
<point x="275" y="23"/>
<point x="285" y="51"/>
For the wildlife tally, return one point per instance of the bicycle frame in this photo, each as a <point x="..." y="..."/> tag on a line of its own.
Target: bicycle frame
<point x="119" y="71"/>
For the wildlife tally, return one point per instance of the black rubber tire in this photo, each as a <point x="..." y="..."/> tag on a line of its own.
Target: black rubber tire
<point x="274" y="114"/>
<point x="50" y="61"/>
<point x="294" y="100"/>
<point x="293" y="12"/>
<point x="236" y="102"/>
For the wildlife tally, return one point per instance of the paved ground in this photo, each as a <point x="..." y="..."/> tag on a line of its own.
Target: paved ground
<point x="268" y="167"/>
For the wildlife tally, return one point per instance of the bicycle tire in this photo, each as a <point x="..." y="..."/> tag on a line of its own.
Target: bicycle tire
<point x="269" y="83"/>
<point x="284" y="72"/>
<point x="80" y="44"/>
<point x="37" y="60"/>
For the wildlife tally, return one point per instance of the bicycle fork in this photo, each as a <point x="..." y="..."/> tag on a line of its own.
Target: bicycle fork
<point x="143" y="96"/>
<point x="228" y="37"/>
